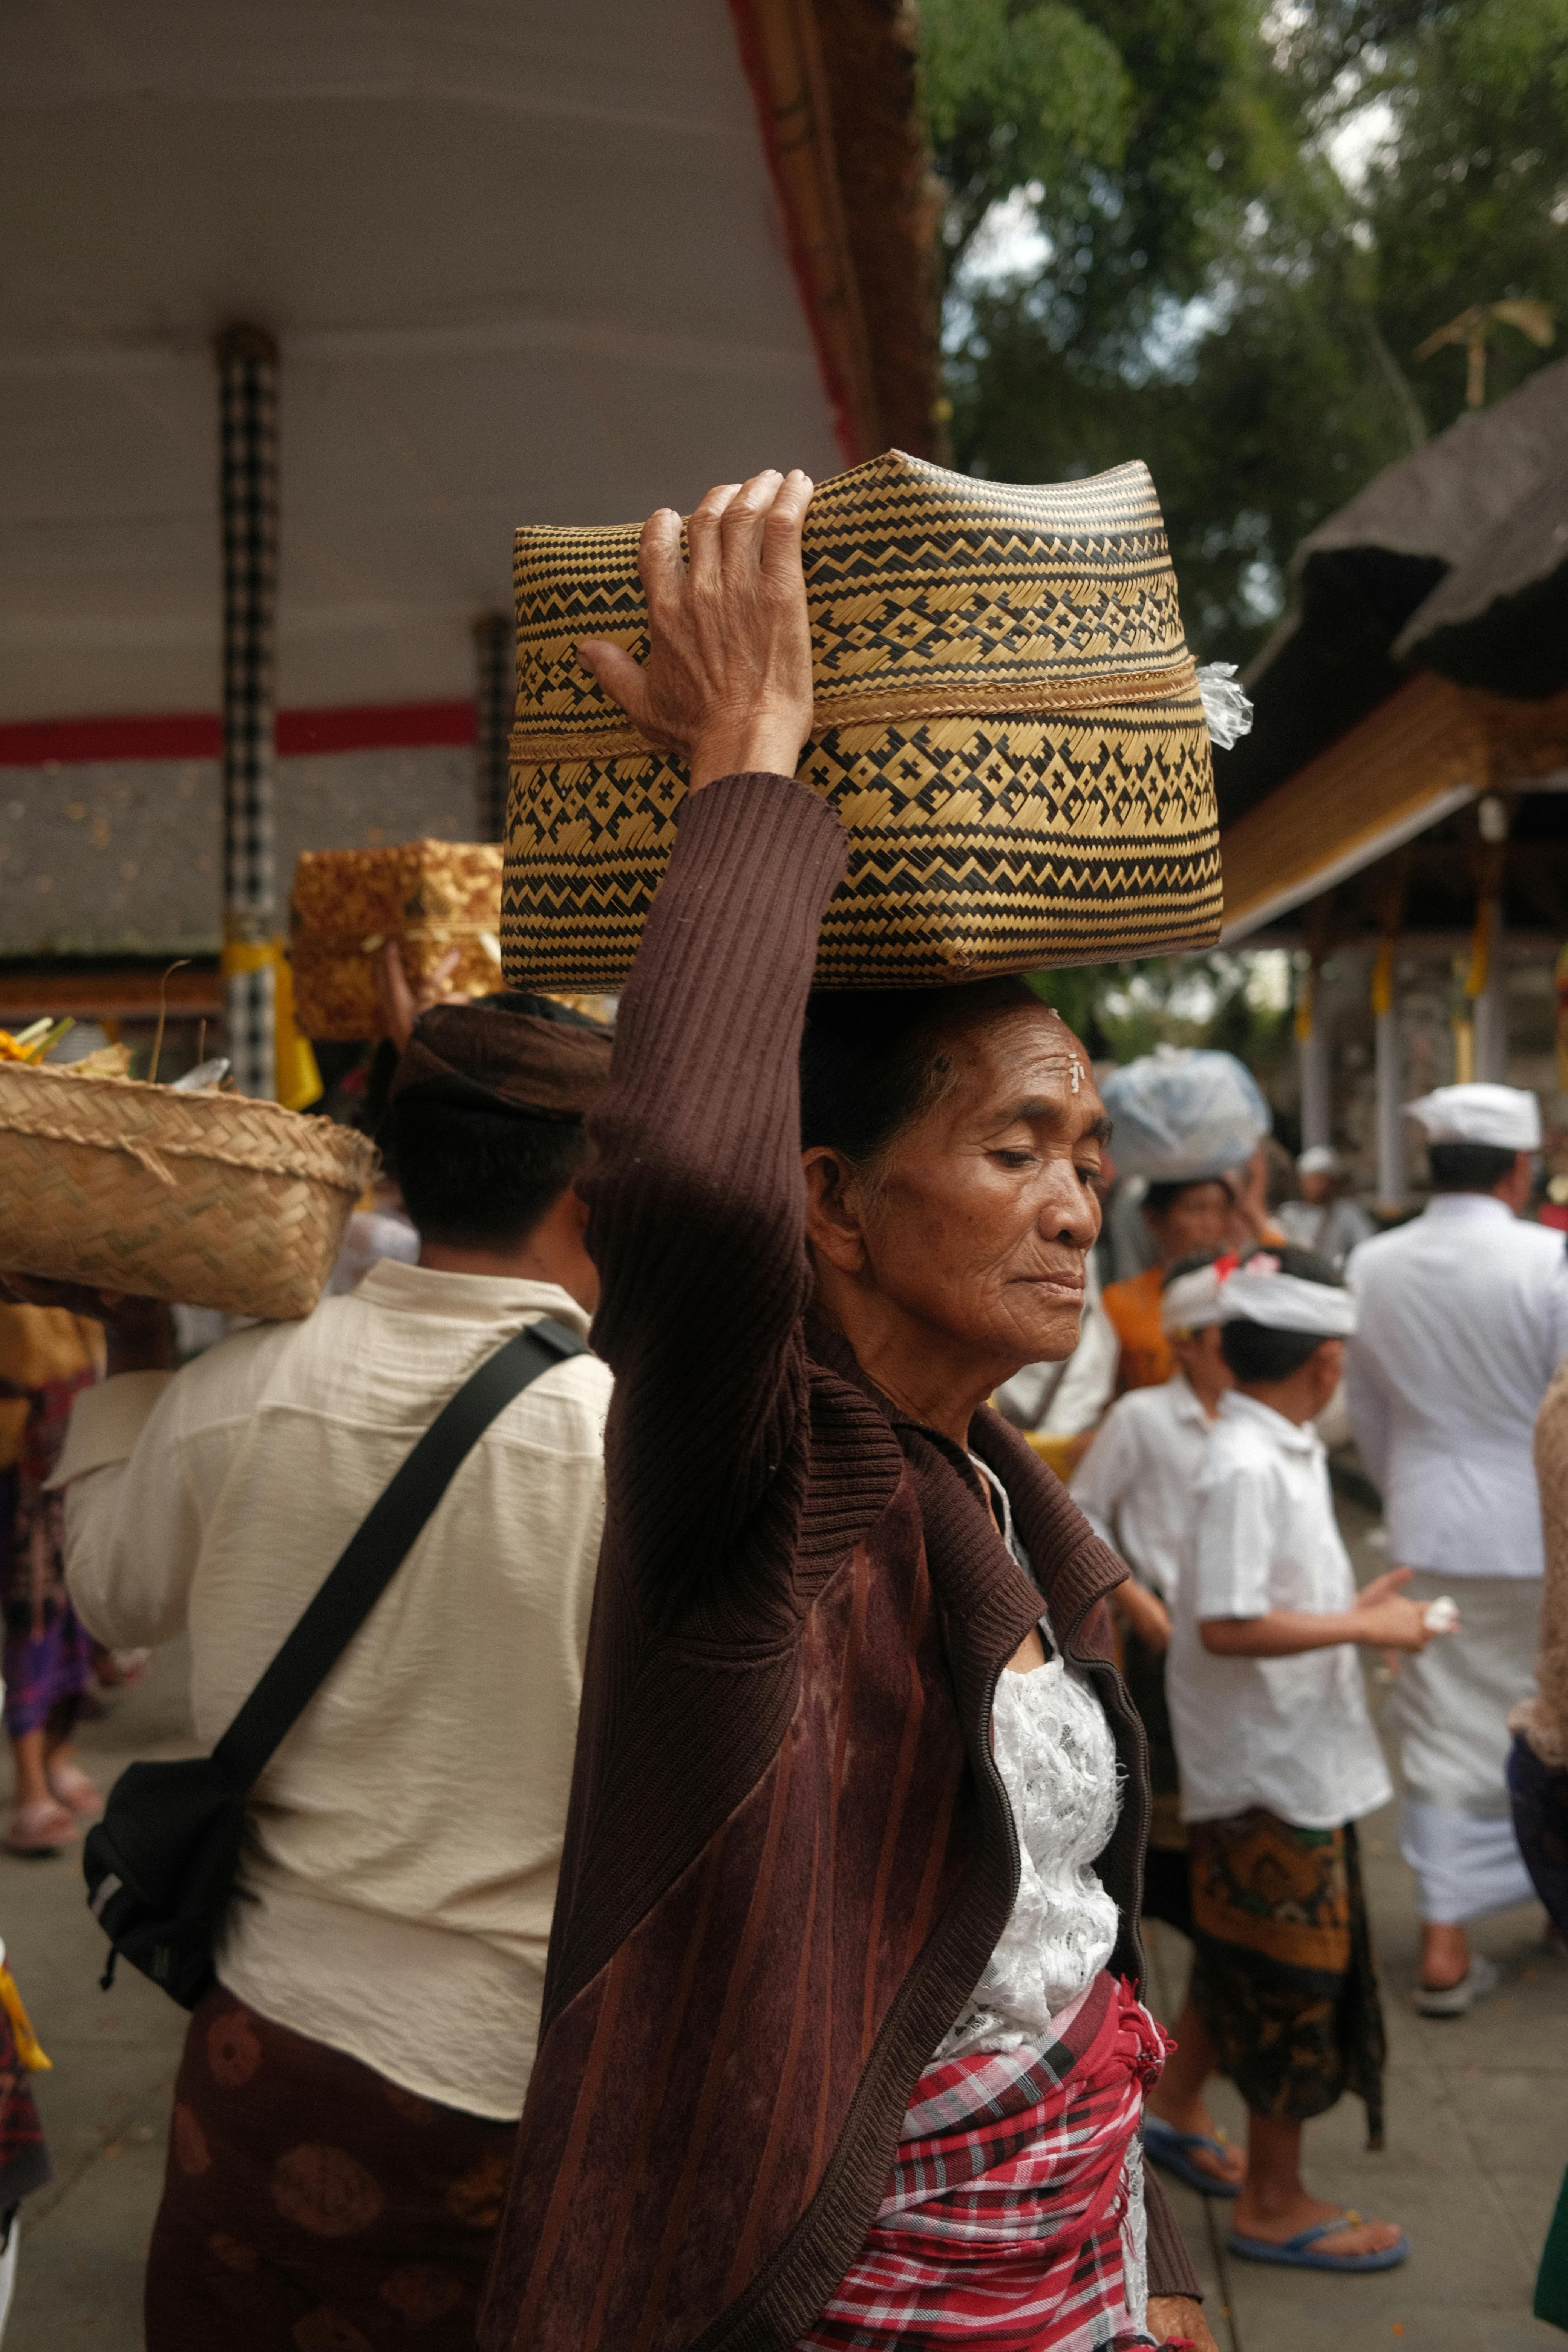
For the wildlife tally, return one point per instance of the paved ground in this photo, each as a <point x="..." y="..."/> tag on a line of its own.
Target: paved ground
<point x="106" y="2103"/>
<point x="1477" y="2121"/>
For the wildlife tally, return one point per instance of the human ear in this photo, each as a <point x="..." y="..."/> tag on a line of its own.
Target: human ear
<point x="833" y="1210"/>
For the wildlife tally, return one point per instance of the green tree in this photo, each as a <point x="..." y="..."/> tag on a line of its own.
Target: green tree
<point x="1211" y="291"/>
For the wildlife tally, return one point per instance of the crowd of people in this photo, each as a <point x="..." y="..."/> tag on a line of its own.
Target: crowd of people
<point x="702" y="1904"/>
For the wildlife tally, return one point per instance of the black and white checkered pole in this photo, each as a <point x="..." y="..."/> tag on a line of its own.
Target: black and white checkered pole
<point x="247" y="393"/>
<point x="494" y="689"/>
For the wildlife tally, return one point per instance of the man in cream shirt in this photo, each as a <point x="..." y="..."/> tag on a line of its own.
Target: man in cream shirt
<point x="349" y="2095"/>
<point x="1463" y="1321"/>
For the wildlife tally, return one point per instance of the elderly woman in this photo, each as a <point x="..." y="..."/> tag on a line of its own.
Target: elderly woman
<point x="842" y="2041"/>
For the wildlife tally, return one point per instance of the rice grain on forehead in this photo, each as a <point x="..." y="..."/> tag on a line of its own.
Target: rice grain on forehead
<point x="871" y="1061"/>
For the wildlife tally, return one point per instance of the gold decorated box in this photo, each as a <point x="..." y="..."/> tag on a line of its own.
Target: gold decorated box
<point x="429" y="896"/>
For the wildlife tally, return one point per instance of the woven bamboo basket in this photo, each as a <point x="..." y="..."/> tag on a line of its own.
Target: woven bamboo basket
<point x="1007" y="721"/>
<point x="210" y="1198"/>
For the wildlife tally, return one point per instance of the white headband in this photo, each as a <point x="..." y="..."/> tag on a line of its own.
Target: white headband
<point x="1258" y="1292"/>
<point x="1191" y="1303"/>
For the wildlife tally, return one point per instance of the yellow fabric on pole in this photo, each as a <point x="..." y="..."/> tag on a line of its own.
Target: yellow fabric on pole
<point x="1480" y="950"/>
<point x="297" y="1078"/>
<point x="27" y="2049"/>
<point x="1306" y="989"/>
<point x="1382" y="981"/>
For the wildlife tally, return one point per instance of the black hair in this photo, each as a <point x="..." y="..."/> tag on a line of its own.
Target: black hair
<point x="1468" y="1167"/>
<point x="867" y="1063"/>
<point x="1160" y="1198"/>
<point x="1194" y="1263"/>
<point x="1255" y="1351"/>
<point x="474" y="1178"/>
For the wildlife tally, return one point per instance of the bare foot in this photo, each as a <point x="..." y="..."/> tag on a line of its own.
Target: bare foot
<point x="1229" y="2167"/>
<point x="1275" y="2224"/>
<point x="73" y="1790"/>
<point x="40" y="1828"/>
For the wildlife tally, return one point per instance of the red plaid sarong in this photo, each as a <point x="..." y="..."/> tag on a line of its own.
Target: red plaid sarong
<point x="1003" y="2223"/>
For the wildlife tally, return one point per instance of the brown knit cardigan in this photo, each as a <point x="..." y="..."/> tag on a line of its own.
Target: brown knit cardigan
<point x="789" y="1854"/>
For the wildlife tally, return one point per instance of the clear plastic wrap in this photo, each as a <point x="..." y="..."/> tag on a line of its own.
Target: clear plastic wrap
<point x="1184" y="1112"/>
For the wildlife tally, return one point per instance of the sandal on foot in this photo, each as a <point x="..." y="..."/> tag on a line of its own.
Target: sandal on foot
<point x="1483" y="1976"/>
<point x="40" y="1829"/>
<point x="1168" y="2148"/>
<point x="73" y="1790"/>
<point x="1297" y="2252"/>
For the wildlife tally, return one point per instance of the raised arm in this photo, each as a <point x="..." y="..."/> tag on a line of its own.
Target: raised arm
<point x="696" y="1198"/>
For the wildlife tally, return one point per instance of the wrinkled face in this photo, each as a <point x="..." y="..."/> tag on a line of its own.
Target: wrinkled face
<point x="1197" y="1219"/>
<point x="986" y="1203"/>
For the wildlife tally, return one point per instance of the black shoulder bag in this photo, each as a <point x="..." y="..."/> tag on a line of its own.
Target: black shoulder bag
<point x="160" y="1865"/>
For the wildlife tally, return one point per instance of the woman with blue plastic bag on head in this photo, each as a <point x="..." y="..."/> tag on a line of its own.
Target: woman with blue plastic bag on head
<point x="1188" y="1123"/>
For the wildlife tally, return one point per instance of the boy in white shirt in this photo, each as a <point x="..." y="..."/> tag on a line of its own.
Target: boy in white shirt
<point x="1137" y="1486"/>
<point x="1278" y="1759"/>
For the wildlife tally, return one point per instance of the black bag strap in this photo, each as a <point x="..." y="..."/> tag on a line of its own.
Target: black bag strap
<point x="373" y="1555"/>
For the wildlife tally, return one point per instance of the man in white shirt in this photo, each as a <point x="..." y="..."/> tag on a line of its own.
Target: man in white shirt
<point x="349" y="2095"/>
<point x="1323" y="1219"/>
<point x="1279" y="1760"/>
<point x="1463" y="1321"/>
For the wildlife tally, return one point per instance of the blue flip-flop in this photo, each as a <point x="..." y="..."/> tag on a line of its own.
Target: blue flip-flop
<point x="1296" y="2253"/>
<point x="1169" y="2147"/>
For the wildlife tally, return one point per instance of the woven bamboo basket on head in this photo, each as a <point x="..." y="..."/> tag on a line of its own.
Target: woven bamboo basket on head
<point x="209" y="1199"/>
<point x="1007" y="721"/>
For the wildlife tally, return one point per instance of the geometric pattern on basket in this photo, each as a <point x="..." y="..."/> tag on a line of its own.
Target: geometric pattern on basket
<point x="1005" y="719"/>
<point x="218" y="1201"/>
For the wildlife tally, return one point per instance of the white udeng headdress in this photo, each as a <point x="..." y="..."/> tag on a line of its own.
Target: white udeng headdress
<point x="1191" y="1303"/>
<point x="1507" y="1117"/>
<point x="1259" y="1291"/>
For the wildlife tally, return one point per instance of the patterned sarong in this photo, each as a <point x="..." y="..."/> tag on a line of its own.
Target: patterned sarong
<point x="1283" y="1974"/>
<point x="1014" y="2217"/>
<point x="310" y="2205"/>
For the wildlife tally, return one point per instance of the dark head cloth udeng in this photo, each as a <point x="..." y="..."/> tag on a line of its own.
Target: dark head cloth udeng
<point x="549" y="1062"/>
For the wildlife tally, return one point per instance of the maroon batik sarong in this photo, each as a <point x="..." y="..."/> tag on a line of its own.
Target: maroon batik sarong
<point x="310" y="2205"/>
<point x="1003" y="2225"/>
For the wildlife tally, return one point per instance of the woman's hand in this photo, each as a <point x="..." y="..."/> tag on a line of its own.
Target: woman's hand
<point x="1175" y="2318"/>
<point x="727" y="684"/>
<point x="1249" y="1188"/>
<point x="397" y="1001"/>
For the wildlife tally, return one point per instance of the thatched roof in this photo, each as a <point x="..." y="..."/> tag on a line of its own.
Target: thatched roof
<point x="1454" y="560"/>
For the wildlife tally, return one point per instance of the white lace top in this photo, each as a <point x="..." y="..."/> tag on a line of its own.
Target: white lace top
<point x="1055" y="1752"/>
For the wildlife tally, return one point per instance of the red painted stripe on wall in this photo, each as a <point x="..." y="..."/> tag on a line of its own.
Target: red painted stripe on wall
<point x="198" y="734"/>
